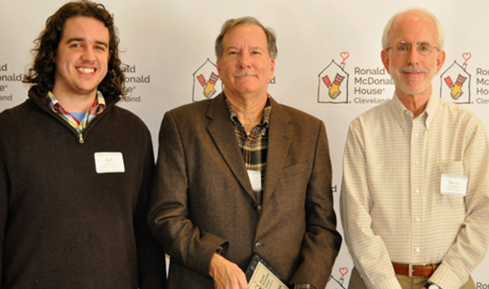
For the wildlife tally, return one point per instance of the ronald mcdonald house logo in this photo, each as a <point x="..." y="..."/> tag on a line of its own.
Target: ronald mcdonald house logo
<point x="6" y="80"/>
<point x="369" y="84"/>
<point x="480" y="285"/>
<point x="133" y="80"/>
<point x="456" y="83"/>
<point x="339" y="282"/>
<point x="205" y="82"/>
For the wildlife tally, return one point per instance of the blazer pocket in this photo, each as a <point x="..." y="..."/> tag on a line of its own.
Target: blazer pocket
<point x="294" y="184"/>
<point x="296" y="169"/>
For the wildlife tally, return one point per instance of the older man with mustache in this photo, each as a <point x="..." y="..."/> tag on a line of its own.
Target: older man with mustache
<point x="415" y="194"/>
<point x="242" y="175"/>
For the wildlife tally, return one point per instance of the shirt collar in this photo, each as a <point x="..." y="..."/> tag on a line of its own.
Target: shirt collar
<point x="403" y="114"/>
<point x="98" y="104"/>
<point x="265" y="119"/>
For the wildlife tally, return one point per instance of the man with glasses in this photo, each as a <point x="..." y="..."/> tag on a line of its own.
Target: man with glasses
<point x="415" y="193"/>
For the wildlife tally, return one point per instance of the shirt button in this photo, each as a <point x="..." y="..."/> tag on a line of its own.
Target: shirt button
<point x="418" y="220"/>
<point x="417" y="191"/>
<point x="258" y="245"/>
<point x="418" y="250"/>
<point x="416" y="135"/>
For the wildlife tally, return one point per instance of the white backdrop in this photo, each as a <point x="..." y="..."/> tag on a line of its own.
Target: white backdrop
<point x="168" y="44"/>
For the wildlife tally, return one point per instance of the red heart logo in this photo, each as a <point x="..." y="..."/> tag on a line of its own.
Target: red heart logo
<point x="344" y="55"/>
<point x="467" y="56"/>
<point x="343" y="271"/>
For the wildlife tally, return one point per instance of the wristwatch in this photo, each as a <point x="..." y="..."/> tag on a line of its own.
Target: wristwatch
<point x="431" y="286"/>
<point x="220" y="251"/>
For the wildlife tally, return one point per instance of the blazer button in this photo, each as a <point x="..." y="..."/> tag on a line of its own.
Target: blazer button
<point x="258" y="245"/>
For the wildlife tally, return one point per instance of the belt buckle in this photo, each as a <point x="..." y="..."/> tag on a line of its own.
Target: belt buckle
<point x="411" y="270"/>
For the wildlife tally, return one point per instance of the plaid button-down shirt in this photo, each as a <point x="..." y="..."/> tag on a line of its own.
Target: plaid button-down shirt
<point x="80" y="126"/>
<point x="253" y="145"/>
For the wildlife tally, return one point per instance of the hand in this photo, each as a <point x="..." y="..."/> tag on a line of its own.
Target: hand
<point x="226" y="274"/>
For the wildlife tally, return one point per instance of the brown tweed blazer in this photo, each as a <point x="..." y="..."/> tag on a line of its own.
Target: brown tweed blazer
<point x="202" y="197"/>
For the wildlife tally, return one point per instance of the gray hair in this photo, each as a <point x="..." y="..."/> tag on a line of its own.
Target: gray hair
<point x="388" y="26"/>
<point x="271" y="36"/>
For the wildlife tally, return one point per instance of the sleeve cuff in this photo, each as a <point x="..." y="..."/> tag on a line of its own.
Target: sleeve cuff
<point x="446" y="278"/>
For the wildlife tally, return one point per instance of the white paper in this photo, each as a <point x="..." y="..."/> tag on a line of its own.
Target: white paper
<point x="262" y="278"/>
<point x="454" y="185"/>
<point x="109" y="162"/>
<point x="255" y="179"/>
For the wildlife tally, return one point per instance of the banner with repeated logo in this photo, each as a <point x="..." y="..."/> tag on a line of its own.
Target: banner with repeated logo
<point x="328" y="61"/>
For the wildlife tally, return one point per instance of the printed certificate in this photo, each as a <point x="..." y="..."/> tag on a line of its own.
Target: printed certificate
<point x="261" y="276"/>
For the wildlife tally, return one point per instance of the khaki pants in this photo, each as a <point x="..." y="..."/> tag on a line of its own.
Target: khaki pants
<point x="356" y="282"/>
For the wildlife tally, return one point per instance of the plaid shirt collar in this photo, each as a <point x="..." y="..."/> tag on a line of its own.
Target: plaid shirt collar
<point x="253" y="146"/>
<point x="265" y="119"/>
<point x="98" y="107"/>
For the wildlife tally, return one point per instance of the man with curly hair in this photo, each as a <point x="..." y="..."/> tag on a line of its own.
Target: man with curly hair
<point x="75" y="169"/>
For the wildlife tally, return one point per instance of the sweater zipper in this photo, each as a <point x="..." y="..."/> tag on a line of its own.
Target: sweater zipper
<point x="79" y="135"/>
<point x="80" y="138"/>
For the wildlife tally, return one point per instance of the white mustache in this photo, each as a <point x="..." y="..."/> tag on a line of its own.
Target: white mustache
<point x="410" y="69"/>
<point x="244" y="74"/>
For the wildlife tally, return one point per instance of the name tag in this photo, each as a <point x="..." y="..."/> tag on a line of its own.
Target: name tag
<point x="454" y="185"/>
<point x="255" y="179"/>
<point x="109" y="162"/>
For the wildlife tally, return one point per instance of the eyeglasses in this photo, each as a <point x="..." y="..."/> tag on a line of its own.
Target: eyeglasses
<point x="423" y="48"/>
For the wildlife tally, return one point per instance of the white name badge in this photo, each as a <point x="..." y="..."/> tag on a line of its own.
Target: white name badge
<point x="255" y="179"/>
<point x="454" y="185"/>
<point x="109" y="162"/>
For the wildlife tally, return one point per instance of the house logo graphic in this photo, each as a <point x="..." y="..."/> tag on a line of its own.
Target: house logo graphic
<point x="205" y="82"/>
<point x="455" y="82"/>
<point x="333" y="82"/>
<point x="340" y="281"/>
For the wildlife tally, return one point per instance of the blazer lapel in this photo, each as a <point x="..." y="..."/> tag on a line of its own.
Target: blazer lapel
<point x="222" y="132"/>
<point x="278" y="147"/>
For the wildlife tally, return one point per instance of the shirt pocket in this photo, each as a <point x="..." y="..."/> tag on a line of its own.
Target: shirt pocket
<point x="452" y="168"/>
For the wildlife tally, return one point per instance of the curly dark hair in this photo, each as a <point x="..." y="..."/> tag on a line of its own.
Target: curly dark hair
<point x="42" y="72"/>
